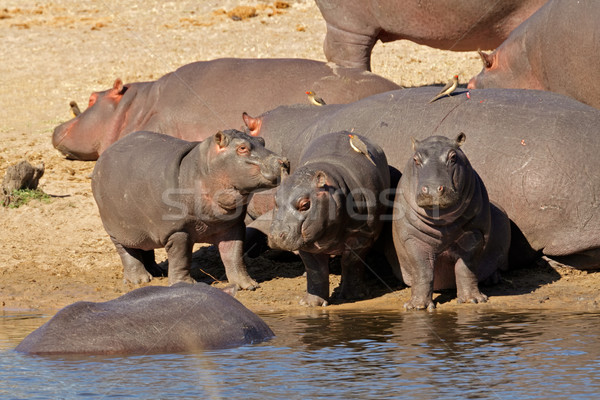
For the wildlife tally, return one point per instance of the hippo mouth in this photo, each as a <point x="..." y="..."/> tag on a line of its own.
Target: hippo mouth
<point x="429" y="202"/>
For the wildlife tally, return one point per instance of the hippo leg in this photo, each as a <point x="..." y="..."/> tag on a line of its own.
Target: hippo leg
<point x="348" y="49"/>
<point x="179" y="251"/>
<point x="231" y="248"/>
<point x="421" y="271"/>
<point x="133" y="264"/>
<point x="352" y="286"/>
<point x="465" y="269"/>
<point x="317" y="279"/>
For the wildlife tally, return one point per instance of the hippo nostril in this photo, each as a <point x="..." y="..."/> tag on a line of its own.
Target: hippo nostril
<point x="441" y="189"/>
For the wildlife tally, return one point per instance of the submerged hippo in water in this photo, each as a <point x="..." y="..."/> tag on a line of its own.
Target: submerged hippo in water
<point x="536" y="151"/>
<point x="156" y="191"/>
<point x="446" y="233"/>
<point x="198" y="99"/>
<point x="152" y="319"/>
<point x="331" y="205"/>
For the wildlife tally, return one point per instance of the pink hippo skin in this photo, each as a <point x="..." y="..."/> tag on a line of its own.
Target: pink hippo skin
<point x="353" y="26"/>
<point x="556" y="49"/>
<point x="200" y="98"/>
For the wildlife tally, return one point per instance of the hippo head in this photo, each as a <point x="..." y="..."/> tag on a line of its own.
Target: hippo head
<point x="241" y="161"/>
<point x="307" y="206"/>
<point x="91" y="132"/>
<point x="439" y="170"/>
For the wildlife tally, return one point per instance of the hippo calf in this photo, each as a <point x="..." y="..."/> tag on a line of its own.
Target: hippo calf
<point x="200" y="98"/>
<point x="556" y="49"/>
<point x="152" y="319"/>
<point x="446" y="232"/>
<point x="156" y="191"/>
<point x="354" y="26"/>
<point x="331" y="205"/>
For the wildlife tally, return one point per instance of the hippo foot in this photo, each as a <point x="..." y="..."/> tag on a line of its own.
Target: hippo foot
<point x="186" y="279"/>
<point x="245" y="283"/>
<point x="350" y="293"/>
<point x="474" y="298"/>
<point x="415" y="304"/>
<point x="137" y="277"/>
<point x="311" y="300"/>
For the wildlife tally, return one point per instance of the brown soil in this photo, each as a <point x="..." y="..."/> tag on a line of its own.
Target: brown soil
<point x="54" y="253"/>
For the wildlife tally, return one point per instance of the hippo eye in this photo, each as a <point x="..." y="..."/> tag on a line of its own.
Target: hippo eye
<point x="303" y="204"/>
<point x="243" y="149"/>
<point x="417" y="160"/>
<point x="452" y="157"/>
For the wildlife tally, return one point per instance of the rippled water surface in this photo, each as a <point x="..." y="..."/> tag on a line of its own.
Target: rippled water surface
<point x="444" y="355"/>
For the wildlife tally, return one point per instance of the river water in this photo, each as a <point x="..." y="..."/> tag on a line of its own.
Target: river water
<point x="464" y="354"/>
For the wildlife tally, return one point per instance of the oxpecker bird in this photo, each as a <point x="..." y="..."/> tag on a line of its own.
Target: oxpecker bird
<point x="314" y="99"/>
<point x="449" y="88"/>
<point x="74" y="108"/>
<point x="359" y="146"/>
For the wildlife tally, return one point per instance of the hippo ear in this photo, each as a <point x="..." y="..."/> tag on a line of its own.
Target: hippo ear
<point x="487" y="59"/>
<point x="320" y="179"/>
<point x="221" y="139"/>
<point x="414" y="142"/>
<point x="460" y="139"/>
<point x="252" y="123"/>
<point x="118" y="85"/>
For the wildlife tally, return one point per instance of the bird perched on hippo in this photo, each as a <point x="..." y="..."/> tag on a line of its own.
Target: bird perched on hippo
<point x="198" y="99"/>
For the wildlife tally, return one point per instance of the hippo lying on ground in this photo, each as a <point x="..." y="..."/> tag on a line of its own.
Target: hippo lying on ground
<point x="330" y="205"/>
<point x="152" y="319"/>
<point x="556" y="49"/>
<point x="537" y="152"/>
<point x="156" y="191"/>
<point x="354" y="26"/>
<point x="446" y="233"/>
<point x="198" y="99"/>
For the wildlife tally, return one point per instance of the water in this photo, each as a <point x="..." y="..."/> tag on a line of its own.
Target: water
<point x="467" y="354"/>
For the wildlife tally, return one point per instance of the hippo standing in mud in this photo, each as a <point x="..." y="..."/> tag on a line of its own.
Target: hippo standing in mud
<point x="150" y="320"/>
<point x="353" y="26"/>
<point x="200" y="98"/>
<point x="331" y="205"/>
<point x="446" y="233"/>
<point x="556" y="49"/>
<point x="536" y="151"/>
<point x="156" y="191"/>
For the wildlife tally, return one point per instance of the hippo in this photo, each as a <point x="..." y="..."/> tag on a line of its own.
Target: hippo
<point x="198" y="99"/>
<point x="156" y="191"/>
<point x="525" y="144"/>
<point x="353" y="26"/>
<point x="445" y="231"/>
<point x="556" y="49"/>
<point x="331" y="205"/>
<point x="150" y="320"/>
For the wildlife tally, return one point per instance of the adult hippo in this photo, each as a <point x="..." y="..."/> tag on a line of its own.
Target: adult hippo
<point x="537" y="152"/>
<point x="353" y="26"/>
<point x="198" y="99"/>
<point x="331" y="205"/>
<point x="153" y="319"/>
<point x="156" y="191"/>
<point x="556" y="49"/>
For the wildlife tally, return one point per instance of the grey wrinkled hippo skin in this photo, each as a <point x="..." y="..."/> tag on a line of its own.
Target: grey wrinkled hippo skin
<point x="536" y="151"/>
<point x="156" y="191"/>
<point x="353" y="26"/>
<point x="150" y="320"/>
<point x="331" y="205"/>
<point x="446" y="233"/>
<point x="198" y="99"/>
<point x="556" y="49"/>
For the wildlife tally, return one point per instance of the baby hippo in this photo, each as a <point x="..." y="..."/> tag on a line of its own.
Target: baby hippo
<point x="156" y="191"/>
<point x="331" y="205"/>
<point x="446" y="232"/>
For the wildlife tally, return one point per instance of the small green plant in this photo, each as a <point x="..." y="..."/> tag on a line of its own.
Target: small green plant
<point x="18" y="198"/>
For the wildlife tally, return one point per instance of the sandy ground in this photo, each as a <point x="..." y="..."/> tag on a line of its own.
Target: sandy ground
<point x="55" y="253"/>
